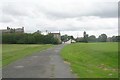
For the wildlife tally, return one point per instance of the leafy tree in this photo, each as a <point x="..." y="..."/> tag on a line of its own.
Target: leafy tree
<point x="118" y="38"/>
<point x="81" y="39"/>
<point x="92" y="38"/>
<point x="27" y="38"/>
<point x="115" y="38"/>
<point x="64" y="38"/>
<point x="102" y="38"/>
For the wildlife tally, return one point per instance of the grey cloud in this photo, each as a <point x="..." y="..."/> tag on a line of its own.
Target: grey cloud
<point x="68" y="15"/>
<point x="105" y="10"/>
<point x="12" y="10"/>
<point x="102" y="9"/>
<point x="16" y="9"/>
<point x="6" y="19"/>
<point x="108" y="9"/>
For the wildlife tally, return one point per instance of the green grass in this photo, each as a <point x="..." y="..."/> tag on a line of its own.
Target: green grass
<point x="0" y="55"/>
<point x="13" y="52"/>
<point x="92" y="60"/>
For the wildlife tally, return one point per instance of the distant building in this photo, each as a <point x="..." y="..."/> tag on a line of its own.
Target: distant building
<point x="13" y="30"/>
<point x="57" y="35"/>
<point x="70" y="41"/>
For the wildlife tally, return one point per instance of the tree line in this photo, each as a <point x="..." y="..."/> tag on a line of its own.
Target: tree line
<point x="101" y="38"/>
<point x="37" y="38"/>
<point x="28" y="38"/>
<point x="92" y="38"/>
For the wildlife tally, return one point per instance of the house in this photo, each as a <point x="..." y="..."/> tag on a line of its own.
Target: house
<point x="57" y="35"/>
<point x="70" y="41"/>
<point x="13" y="30"/>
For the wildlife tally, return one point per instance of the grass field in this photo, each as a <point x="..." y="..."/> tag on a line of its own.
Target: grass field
<point x="13" y="52"/>
<point x="0" y="55"/>
<point x="92" y="60"/>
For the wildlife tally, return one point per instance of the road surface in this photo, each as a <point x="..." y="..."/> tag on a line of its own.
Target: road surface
<point x="45" y="64"/>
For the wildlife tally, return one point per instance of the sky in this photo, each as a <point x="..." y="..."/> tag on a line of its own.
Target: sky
<point x="71" y="17"/>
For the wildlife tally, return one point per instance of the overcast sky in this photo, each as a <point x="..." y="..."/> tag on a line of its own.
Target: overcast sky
<point x="71" y="17"/>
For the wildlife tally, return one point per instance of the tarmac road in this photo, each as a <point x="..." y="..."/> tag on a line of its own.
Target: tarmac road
<point x="45" y="64"/>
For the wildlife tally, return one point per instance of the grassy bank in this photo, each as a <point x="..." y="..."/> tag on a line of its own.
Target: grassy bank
<point x="92" y="60"/>
<point x="13" y="52"/>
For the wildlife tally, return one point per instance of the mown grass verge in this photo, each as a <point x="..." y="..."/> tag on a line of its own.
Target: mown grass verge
<point x="13" y="52"/>
<point x="92" y="60"/>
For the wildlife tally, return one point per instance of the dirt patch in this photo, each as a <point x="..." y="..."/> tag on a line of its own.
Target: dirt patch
<point x="66" y="62"/>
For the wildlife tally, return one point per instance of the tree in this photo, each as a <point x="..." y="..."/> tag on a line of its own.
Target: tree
<point x="115" y="38"/>
<point x="92" y="38"/>
<point x="81" y="39"/>
<point x="118" y="38"/>
<point x="64" y="38"/>
<point x="28" y="38"/>
<point x="102" y="38"/>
